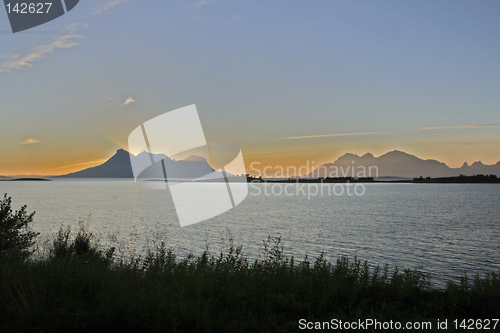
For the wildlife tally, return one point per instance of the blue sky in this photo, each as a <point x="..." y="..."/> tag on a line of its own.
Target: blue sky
<point x="288" y="81"/>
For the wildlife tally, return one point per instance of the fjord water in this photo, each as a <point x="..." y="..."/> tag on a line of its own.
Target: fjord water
<point x="442" y="229"/>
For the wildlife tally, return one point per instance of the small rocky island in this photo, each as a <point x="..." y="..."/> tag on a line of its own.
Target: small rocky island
<point x="30" y="179"/>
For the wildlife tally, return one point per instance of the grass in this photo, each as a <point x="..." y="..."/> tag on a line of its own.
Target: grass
<point x="80" y="287"/>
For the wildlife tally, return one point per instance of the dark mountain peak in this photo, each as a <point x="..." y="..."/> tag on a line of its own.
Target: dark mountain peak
<point x="349" y="155"/>
<point x="478" y="163"/>
<point x="397" y="154"/>
<point x="144" y="154"/>
<point x="121" y="154"/>
<point x="431" y="161"/>
<point x="194" y="158"/>
<point x="465" y="165"/>
<point x="347" y="158"/>
<point x="368" y="156"/>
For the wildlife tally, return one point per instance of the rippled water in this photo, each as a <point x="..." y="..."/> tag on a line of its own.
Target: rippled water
<point x="443" y="229"/>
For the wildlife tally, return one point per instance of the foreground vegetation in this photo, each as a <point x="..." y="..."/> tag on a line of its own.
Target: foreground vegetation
<point x="81" y="287"/>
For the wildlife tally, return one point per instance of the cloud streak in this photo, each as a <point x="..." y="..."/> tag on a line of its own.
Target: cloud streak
<point x="80" y="163"/>
<point x="75" y="26"/>
<point x="204" y="2"/>
<point x="129" y="101"/>
<point x="474" y="143"/>
<point x="467" y="126"/>
<point x="30" y="141"/>
<point x="19" y="61"/>
<point x="330" y="135"/>
<point x="108" y="4"/>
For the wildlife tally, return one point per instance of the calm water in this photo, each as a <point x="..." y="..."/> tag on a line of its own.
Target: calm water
<point x="443" y="229"/>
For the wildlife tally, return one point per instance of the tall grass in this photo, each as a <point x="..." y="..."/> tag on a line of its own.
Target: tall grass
<point x="80" y="288"/>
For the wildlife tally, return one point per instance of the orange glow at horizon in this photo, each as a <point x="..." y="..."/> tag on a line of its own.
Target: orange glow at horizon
<point x="454" y="154"/>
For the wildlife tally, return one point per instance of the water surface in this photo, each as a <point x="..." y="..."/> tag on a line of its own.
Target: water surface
<point x="442" y="229"/>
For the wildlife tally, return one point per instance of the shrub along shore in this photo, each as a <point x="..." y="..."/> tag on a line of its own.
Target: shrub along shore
<point x="81" y="287"/>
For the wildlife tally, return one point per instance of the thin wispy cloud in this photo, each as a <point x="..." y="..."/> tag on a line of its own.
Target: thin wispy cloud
<point x="129" y="101"/>
<point x="79" y="163"/>
<point x="107" y="4"/>
<point x="235" y="17"/>
<point x="474" y="143"/>
<point x="329" y="135"/>
<point x="74" y="26"/>
<point x="467" y="126"/>
<point x="204" y="2"/>
<point x="30" y="141"/>
<point x="22" y="61"/>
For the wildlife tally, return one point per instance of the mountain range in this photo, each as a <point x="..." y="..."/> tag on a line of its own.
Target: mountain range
<point x="120" y="166"/>
<point x="397" y="164"/>
<point x="392" y="164"/>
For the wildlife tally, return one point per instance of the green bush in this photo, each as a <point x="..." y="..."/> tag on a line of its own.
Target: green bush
<point x="81" y="247"/>
<point x="16" y="236"/>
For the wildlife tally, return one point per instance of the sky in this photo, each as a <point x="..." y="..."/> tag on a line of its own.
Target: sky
<point x="287" y="81"/>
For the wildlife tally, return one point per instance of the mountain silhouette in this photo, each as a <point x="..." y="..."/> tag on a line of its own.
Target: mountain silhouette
<point x="392" y="164"/>
<point x="119" y="166"/>
<point x="397" y="164"/>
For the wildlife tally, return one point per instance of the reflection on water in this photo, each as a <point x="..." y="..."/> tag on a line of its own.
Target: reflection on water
<point x="443" y="229"/>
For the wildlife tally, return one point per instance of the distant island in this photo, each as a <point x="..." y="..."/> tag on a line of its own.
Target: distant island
<point x="251" y="179"/>
<point x="8" y="179"/>
<point x="462" y="179"/>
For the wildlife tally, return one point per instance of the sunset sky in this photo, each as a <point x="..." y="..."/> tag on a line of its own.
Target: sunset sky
<point x="288" y="81"/>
